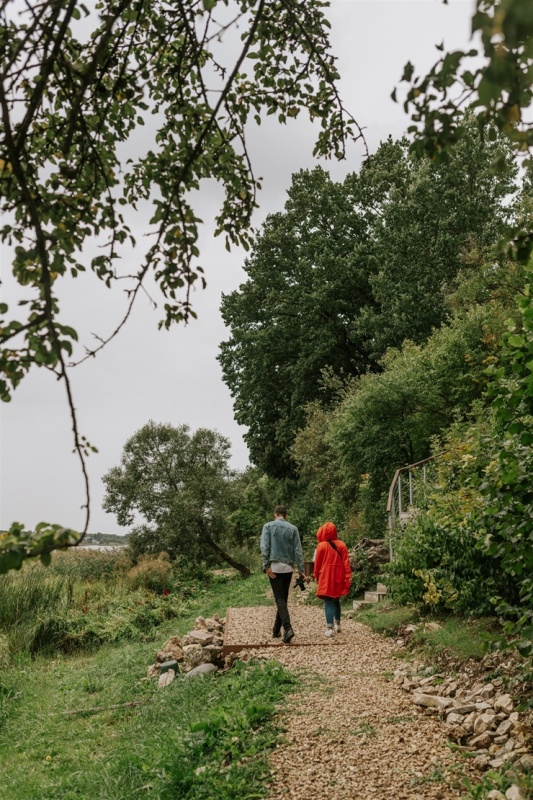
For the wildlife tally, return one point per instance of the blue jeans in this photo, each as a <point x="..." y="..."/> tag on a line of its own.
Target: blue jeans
<point x="332" y="608"/>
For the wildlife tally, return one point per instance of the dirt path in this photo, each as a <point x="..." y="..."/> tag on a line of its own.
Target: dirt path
<point x="351" y="732"/>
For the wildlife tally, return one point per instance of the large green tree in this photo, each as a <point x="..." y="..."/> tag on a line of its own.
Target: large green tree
<point x="348" y="270"/>
<point x="179" y="484"/>
<point x="294" y="315"/>
<point x="439" y="220"/>
<point x="114" y="108"/>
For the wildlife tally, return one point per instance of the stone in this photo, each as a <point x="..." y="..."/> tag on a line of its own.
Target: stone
<point x="487" y="691"/>
<point x="481" y="762"/>
<point x="469" y="720"/>
<point x="494" y="794"/>
<point x="171" y="649"/>
<point x="430" y="679"/>
<point x="204" y="637"/>
<point x="504" y="702"/>
<point x="166" y="665"/>
<point x="510" y="745"/>
<point x="166" y="678"/>
<point x="504" y="728"/>
<point x="193" y="655"/>
<point x="457" y="733"/>
<point x="481" y="741"/>
<point x="464" y="708"/>
<point x="513" y="793"/>
<point x="525" y="763"/>
<point x="213" y="653"/>
<point x="432" y="701"/>
<point x="202" y="669"/>
<point x="454" y="719"/>
<point x="484" y="723"/>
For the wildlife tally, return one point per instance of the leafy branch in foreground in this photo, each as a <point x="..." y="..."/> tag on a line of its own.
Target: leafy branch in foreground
<point x="118" y="107"/>
<point x="495" y="79"/>
<point x="500" y="87"/>
<point x="17" y="544"/>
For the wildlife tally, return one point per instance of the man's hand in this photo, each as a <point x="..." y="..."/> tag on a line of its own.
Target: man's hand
<point x="270" y="573"/>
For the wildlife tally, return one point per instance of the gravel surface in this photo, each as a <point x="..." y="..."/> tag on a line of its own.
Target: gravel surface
<point x="350" y="732"/>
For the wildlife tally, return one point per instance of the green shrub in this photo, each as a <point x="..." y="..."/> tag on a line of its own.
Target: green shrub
<point x="364" y="577"/>
<point x="440" y="566"/>
<point x="151" y="573"/>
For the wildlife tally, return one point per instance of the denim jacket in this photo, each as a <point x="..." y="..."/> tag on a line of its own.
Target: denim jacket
<point x="280" y="541"/>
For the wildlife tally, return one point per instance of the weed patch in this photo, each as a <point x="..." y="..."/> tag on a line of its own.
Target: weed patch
<point x="387" y="619"/>
<point x="464" y="639"/>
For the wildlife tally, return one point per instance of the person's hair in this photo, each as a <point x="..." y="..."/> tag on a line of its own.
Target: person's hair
<point x="280" y="511"/>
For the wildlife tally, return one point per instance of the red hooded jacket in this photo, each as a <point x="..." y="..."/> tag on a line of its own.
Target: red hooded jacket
<point x="332" y="569"/>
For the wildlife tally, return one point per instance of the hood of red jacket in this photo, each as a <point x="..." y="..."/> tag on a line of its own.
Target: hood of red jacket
<point x="326" y="532"/>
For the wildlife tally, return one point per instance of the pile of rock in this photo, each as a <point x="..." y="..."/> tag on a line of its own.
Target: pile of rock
<point x="479" y="717"/>
<point x="374" y="550"/>
<point x="197" y="653"/>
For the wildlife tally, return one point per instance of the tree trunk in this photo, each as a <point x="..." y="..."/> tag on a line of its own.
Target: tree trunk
<point x="245" y="572"/>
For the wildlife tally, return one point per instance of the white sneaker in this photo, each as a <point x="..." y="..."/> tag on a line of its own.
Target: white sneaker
<point x="329" y="632"/>
<point x="337" y="626"/>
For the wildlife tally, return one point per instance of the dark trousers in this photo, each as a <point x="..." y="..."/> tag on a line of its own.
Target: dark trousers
<point x="280" y="587"/>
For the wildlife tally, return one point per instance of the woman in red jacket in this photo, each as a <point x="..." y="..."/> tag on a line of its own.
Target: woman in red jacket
<point x="332" y="573"/>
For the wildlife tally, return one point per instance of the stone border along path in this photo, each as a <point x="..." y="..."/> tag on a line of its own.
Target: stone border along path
<point x="351" y="732"/>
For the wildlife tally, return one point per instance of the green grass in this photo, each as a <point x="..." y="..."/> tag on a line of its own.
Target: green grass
<point x="386" y="618"/>
<point x="202" y="738"/>
<point x="464" y="638"/>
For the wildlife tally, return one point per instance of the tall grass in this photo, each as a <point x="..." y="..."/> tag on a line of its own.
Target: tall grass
<point x="26" y="598"/>
<point x="85" y="599"/>
<point x="81" y="564"/>
<point x="29" y="593"/>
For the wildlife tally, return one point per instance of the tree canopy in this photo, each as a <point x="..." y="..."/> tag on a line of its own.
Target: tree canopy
<point x="349" y="270"/>
<point x="178" y="483"/>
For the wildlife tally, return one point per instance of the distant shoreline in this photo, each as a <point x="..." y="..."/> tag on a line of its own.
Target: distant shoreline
<point x="101" y="546"/>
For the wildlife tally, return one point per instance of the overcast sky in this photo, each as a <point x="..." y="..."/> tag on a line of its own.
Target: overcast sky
<point x="174" y="377"/>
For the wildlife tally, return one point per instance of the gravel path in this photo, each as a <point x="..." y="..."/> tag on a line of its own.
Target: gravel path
<point x="350" y="732"/>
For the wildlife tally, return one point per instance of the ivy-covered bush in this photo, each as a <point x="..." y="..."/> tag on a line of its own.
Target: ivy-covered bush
<point x="471" y="549"/>
<point x="507" y="488"/>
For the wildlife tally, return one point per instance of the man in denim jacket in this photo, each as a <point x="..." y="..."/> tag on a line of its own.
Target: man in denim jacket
<point x="281" y="548"/>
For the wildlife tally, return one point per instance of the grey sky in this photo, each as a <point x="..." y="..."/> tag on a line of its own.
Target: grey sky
<point x="174" y="376"/>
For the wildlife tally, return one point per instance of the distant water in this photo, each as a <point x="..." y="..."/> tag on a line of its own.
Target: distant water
<point x="101" y="546"/>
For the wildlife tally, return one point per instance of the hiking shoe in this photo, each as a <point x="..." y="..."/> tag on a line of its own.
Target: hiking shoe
<point x="329" y="632"/>
<point x="288" y="635"/>
<point x="276" y="634"/>
<point x="337" y="626"/>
